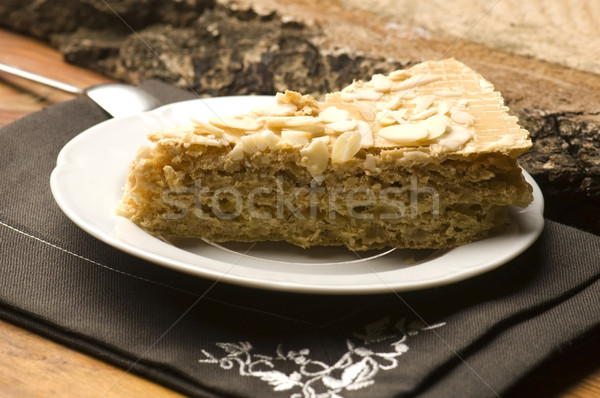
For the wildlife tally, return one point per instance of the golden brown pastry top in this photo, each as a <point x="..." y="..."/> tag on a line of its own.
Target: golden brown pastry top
<point x="433" y="109"/>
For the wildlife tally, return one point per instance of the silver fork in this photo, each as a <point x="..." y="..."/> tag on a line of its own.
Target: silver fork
<point x="115" y="98"/>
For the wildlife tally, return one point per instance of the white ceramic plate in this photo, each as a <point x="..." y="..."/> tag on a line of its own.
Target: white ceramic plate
<point x="90" y="173"/>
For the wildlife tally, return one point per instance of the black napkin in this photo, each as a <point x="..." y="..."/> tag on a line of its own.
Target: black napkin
<point x="477" y="338"/>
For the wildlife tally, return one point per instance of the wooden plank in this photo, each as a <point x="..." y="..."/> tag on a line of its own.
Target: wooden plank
<point x="32" y="366"/>
<point x="19" y="96"/>
<point x="38" y="57"/>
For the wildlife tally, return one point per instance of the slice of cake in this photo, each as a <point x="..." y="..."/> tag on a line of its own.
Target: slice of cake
<point x="421" y="158"/>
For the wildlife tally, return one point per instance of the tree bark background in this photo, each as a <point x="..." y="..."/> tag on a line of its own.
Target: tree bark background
<point x="264" y="46"/>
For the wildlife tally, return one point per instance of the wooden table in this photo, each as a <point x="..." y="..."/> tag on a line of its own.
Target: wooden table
<point x="33" y="366"/>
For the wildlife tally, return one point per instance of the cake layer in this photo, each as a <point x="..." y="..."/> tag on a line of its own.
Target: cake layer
<point x="440" y="203"/>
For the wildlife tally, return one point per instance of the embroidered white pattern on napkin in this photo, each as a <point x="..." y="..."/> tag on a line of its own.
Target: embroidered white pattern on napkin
<point x="354" y="370"/>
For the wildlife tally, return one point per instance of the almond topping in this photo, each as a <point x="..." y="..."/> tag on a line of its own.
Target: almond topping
<point x="385" y="118"/>
<point x="295" y="121"/>
<point x="342" y="126"/>
<point x="365" y="132"/>
<point x="333" y="114"/>
<point x="370" y="163"/>
<point x="400" y="115"/>
<point x="361" y="95"/>
<point x="187" y="136"/>
<point x="461" y="117"/>
<point x="365" y="110"/>
<point x="381" y="83"/>
<point x="326" y="139"/>
<point x="422" y="102"/>
<point x="315" y="157"/>
<point x="417" y="80"/>
<point x="345" y="147"/>
<point x="316" y="130"/>
<point x="259" y="141"/>
<point x="203" y="128"/>
<point x="394" y="103"/>
<point x="253" y="143"/>
<point x="423" y="115"/>
<point x="237" y="153"/>
<point x="408" y="94"/>
<point x="436" y="125"/>
<point x="399" y="75"/>
<point x="278" y="109"/>
<point x="234" y="123"/>
<point x="405" y="134"/>
<point x="443" y="107"/>
<point x="271" y="137"/>
<point x="294" y="137"/>
<point x="456" y="138"/>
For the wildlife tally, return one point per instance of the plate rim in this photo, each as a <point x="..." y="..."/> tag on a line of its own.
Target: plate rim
<point x="534" y="211"/>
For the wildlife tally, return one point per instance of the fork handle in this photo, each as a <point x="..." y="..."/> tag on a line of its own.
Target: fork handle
<point x="41" y="79"/>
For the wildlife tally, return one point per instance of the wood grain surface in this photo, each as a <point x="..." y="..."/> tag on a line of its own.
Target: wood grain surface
<point x="20" y="97"/>
<point x="30" y="365"/>
<point x="562" y="32"/>
<point x="33" y="366"/>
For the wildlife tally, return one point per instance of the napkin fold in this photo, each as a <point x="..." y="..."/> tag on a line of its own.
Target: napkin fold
<point x="477" y="338"/>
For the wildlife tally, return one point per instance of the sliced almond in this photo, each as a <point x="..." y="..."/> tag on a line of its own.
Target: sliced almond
<point x="417" y="80"/>
<point x="203" y="128"/>
<point x="381" y="83"/>
<point x="457" y="136"/>
<point x="326" y="139"/>
<point x="315" y="157"/>
<point x="361" y="95"/>
<point x="423" y="102"/>
<point x="333" y="114"/>
<point x="341" y="126"/>
<point x="436" y="125"/>
<point x="423" y="115"/>
<point x="405" y="134"/>
<point x="366" y="133"/>
<point x="461" y="117"/>
<point x="345" y="147"/>
<point x="279" y="122"/>
<point x="365" y="110"/>
<point x="370" y="163"/>
<point x="443" y="107"/>
<point x="294" y="137"/>
<point x="385" y="118"/>
<point x="285" y="109"/>
<point x="394" y="103"/>
<point x="253" y="143"/>
<point x="315" y="130"/>
<point x="407" y="94"/>
<point x="234" y="123"/>
<point x="259" y="141"/>
<point x="400" y="116"/>
<point x="237" y="153"/>
<point x="399" y="75"/>
<point x="272" y="138"/>
<point x="186" y="135"/>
